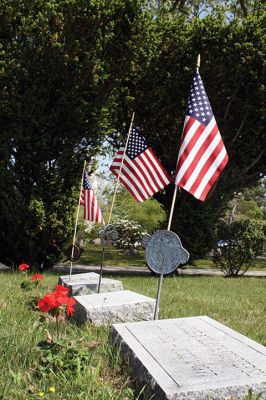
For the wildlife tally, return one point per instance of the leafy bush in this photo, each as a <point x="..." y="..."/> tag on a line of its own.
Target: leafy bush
<point x="130" y="234"/>
<point x="244" y="241"/>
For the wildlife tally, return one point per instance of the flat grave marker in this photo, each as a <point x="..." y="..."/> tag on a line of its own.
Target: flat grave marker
<point x="113" y="307"/>
<point x="87" y="283"/>
<point x="192" y="358"/>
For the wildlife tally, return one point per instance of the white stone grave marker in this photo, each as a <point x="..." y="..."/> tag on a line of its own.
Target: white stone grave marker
<point x="87" y="283"/>
<point x="113" y="307"/>
<point x="192" y="358"/>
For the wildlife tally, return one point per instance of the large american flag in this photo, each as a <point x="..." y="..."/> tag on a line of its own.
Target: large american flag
<point x="142" y="174"/>
<point x="88" y="199"/>
<point x="202" y="154"/>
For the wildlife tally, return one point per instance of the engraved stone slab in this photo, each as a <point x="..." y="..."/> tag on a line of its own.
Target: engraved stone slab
<point x="113" y="307"/>
<point x="87" y="283"/>
<point x="4" y="267"/>
<point x="192" y="358"/>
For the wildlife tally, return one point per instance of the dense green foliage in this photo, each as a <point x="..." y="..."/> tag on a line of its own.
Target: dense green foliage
<point x="150" y="215"/>
<point x="72" y="72"/>
<point x="232" y="53"/>
<point x="60" y="62"/>
<point x="245" y="240"/>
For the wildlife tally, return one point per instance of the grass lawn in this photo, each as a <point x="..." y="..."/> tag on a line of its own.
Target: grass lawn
<point x="85" y="366"/>
<point x="116" y="257"/>
<point x="112" y="256"/>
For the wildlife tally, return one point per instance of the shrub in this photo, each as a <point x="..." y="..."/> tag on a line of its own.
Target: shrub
<point x="130" y="234"/>
<point x="243" y="241"/>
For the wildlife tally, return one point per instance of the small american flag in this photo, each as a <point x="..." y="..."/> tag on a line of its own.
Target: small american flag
<point x="142" y="174"/>
<point x="202" y="154"/>
<point x="88" y="199"/>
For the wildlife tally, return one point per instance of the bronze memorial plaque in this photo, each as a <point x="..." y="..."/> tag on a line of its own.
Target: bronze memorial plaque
<point x="164" y="251"/>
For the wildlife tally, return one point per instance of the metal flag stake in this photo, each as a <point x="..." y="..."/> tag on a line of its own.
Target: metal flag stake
<point x="113" y="200"/>
<point x="76" y="224"/>
<point x="181" y="257"/>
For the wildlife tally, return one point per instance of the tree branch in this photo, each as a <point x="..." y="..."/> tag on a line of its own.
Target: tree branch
<point x="233" y="96"/>
<point x="239" y="129"/>
<point x="243" y="7"/>
<point x="253" y="163"/>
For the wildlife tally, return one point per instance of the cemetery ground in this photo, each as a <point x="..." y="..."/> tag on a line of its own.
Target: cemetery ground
<point x="81" y="363"/>
<point x="116" y="257"/>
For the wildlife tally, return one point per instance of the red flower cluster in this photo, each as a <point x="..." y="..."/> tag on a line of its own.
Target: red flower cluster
<point x="57" y="300"/>
<point x="23" y="267"/>
<point x="37" y="277"/>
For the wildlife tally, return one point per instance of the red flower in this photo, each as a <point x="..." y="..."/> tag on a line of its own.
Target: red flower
<point x="48" y="302"/>
<point x="61" y="290"/>
<point x="37" y="277"/>
<point x="56" y="299"/>
<point x="70" y="306"/>
<point x="23" y="267"/>
<point x="61" y="293"/>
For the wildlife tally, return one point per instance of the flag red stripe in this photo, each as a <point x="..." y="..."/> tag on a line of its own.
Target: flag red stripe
<point x="205" y="167"/>
<point x="91" y="209"/>
<point x="142" y="171"/>
<point x="142" y="158"/>
<point x="198" y="156"/>
<point x="142" y="175"/>
<point x="190" y="145"/>
<point x="154" y="163"/>
<point x="139" y="169"/>
<point x="139" y="176"/>
<point x="131" y="186"/>
<point x="160" y="169"/>
<point x="214" y="178"/>
<point x="145" y="176"/>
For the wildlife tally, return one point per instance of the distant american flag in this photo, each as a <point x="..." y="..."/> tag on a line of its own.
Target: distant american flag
<point x="202" y="155"/>
<point x="142" y="173"/>
<point x="88" y="199"/>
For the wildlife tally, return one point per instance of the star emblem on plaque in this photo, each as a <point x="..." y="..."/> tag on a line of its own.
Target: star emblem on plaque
<point x="164" y="251"/>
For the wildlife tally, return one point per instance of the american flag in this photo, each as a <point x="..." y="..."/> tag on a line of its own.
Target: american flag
<point x="88" y="199"/>
<point x="142" y="174"/>
<point x="202" y="154"/>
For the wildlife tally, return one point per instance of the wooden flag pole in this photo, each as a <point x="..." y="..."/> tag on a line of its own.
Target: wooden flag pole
<point x="76" y="223"/>
<point x="168" y="228"/>
<point x="161" y="276"/>
<point x="114" y="196"/>
<point x="120" y="169"/>
<point x="198" y="63"/>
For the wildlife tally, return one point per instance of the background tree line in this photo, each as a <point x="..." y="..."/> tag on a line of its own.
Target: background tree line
<point x="72" y="72"/>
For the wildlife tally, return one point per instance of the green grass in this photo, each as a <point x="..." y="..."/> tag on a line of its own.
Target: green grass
<point x="22" y="378"/>
<point x="116" y="257"/>
<point x="112" y="256"/>
<point x="238" y="303"/>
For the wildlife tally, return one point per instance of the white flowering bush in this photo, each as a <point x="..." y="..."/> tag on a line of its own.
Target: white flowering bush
<point x="130" y="234"/>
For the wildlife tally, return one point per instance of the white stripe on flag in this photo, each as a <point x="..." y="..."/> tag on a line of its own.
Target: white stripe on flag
<point x="139" y="161"/>
<point x="202" y="161"/>
<point x="138" y="173"/>
<point x="188" y="136"/>
<point x="128" y="174"/>
<point x="213" y="168"/>
<point x="158" y="168"/>
<point x="153" y="171"/>
<point x="193" y="152"/>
